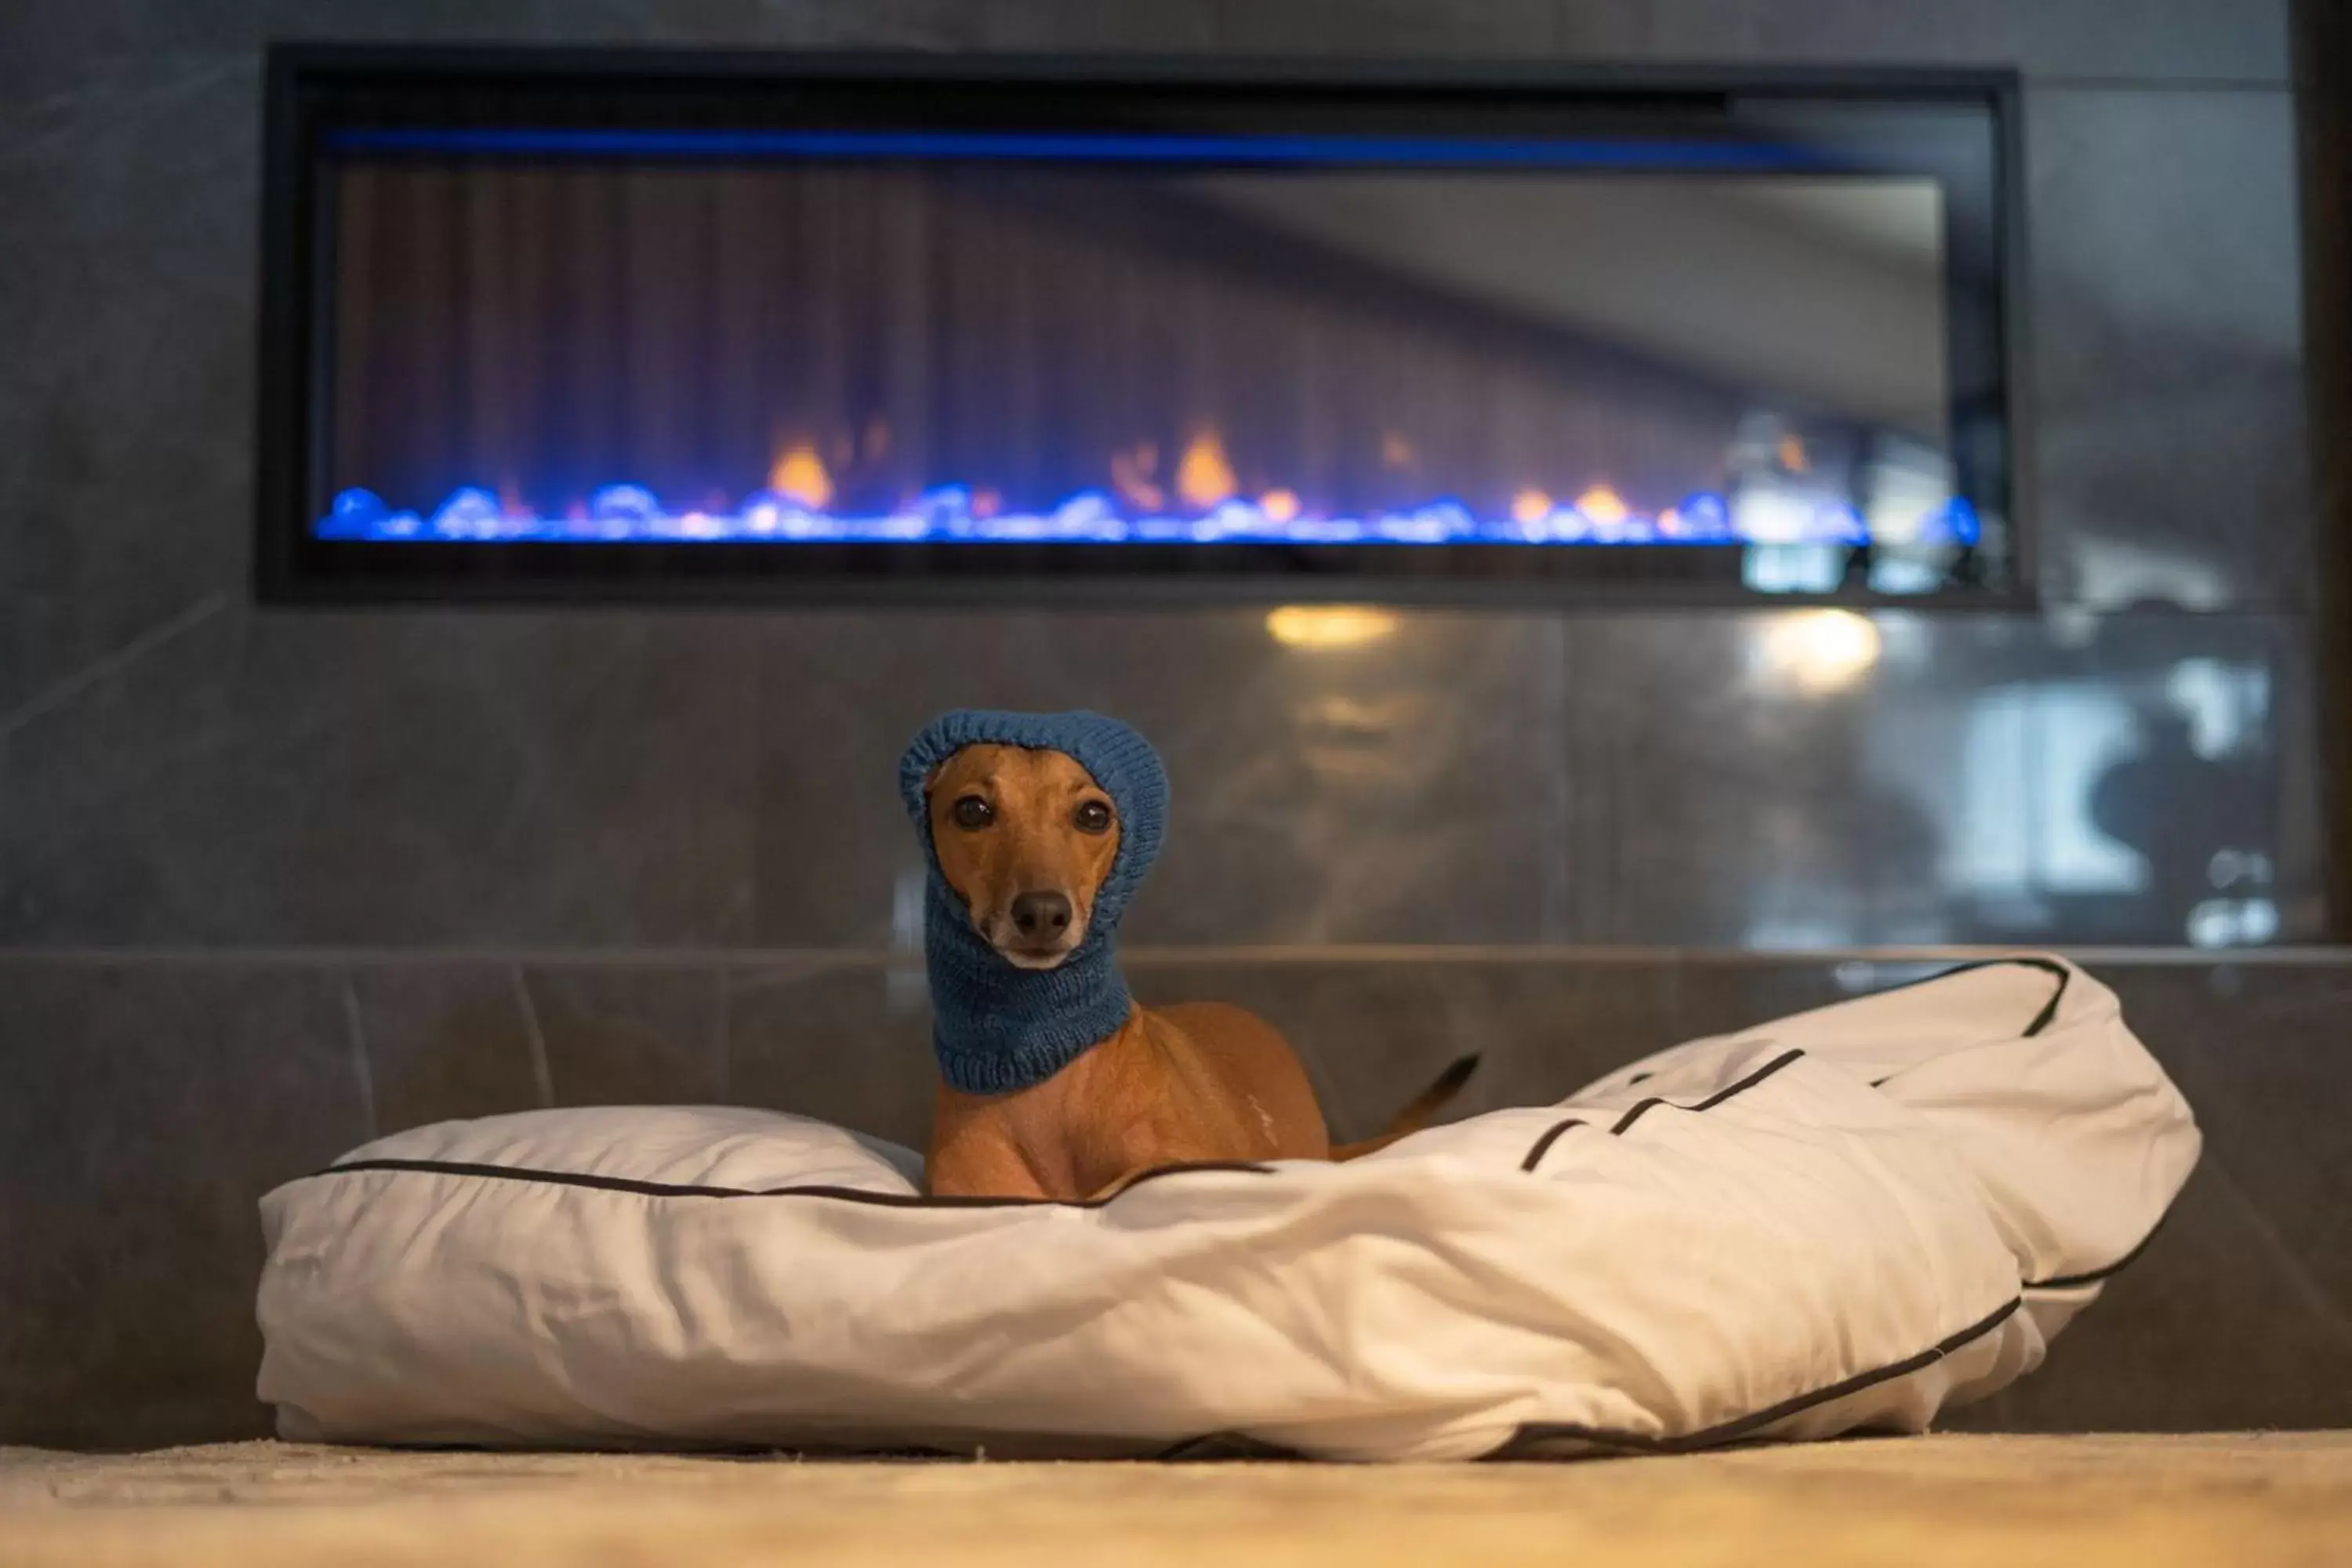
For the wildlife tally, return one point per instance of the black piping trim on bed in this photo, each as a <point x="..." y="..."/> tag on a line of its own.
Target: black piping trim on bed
<point x="2097" y="1276"/>
<point x="1543" y="1144"/>
<point x="1534" y="1432"/>
<point x="1645" y="1107"/>
<point x="1224" y="1444"/>
<point x="1552" y="1134"/>
<point x="2042" y="1020"/>
<point x="844" y="1195"/>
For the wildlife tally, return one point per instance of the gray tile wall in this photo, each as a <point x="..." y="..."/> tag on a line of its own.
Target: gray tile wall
<point x="201" y="800"/>
<point x="177" y="768"/>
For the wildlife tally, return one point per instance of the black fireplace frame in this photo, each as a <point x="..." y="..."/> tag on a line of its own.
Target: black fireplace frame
<point x="294" y="567"/>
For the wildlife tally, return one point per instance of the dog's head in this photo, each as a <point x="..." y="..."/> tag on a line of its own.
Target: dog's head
<point x="1024" y="836"/>
<point x="1039" y="828"/>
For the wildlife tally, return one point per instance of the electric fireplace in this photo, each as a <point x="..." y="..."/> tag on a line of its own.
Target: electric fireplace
<point x="640" y="324"/>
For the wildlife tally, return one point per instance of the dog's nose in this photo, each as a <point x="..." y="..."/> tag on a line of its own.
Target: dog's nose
<point x="1041" y="916"/>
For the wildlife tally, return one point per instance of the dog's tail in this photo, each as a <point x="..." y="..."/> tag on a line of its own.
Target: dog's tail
<point x="1417" y="1113"/>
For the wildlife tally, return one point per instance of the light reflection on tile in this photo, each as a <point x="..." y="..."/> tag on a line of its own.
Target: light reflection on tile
<point x="1749" y="782"/>
<point x="1771" y="779"/>
<point x="1391" y="791"/>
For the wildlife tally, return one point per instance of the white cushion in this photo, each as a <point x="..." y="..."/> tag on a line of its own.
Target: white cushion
<point x="1844" y="1219"/>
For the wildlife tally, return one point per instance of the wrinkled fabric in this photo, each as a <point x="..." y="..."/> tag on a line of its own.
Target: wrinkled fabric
<point x="1848" y="1219"/>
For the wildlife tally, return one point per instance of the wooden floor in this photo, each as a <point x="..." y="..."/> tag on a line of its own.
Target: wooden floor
<point x="2014" y="1502"/>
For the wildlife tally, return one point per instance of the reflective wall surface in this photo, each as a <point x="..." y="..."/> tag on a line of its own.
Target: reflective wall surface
<point x="2130" y="763"/>
<point x="1784" y="779"/>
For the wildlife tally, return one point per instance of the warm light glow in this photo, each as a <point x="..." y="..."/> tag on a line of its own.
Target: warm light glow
<point x="1820" y="651"/>
<point x="878" y="438"/>
<point x="1396" y="451"/>
<point x="1530" y="506"/>
<point x="1601" y="504"/>
<point x="1328" y="626"/>
<point x="1792" y="455"/>
<point x="986" y="503"/>
<point x="799" y="475"/>
<point x="1203" y="479"/>
<point x="1130" y="475"/>
<point x="1279" y="506"/>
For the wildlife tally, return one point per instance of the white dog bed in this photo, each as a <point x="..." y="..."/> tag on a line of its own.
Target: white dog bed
<point x="1841" y="1220"/>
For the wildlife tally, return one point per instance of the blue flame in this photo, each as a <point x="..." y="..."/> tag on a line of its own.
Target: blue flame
<point x="630" y="514"/>
<point x="1200" y="149"/>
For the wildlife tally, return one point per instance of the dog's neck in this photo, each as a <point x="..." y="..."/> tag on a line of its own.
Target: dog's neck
<point x="997" y="1028"/>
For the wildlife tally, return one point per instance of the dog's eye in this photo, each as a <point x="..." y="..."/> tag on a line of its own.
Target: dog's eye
<point x="1092" y="816"/>
<point x="973" y="812"/>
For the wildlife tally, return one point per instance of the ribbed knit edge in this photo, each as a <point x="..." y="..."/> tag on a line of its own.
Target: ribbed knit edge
<point x="998" y="1027"/>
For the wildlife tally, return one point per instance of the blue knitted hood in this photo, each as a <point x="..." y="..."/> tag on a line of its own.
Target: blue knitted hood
<point x="997" y="1027"/>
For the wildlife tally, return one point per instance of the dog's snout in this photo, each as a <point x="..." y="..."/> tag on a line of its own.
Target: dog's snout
<point x="1041" y="917"/>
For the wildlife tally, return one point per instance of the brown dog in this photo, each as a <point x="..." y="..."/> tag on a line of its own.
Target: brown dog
<point x="1025" y="838"/>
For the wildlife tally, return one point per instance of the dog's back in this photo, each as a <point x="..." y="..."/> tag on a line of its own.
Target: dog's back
<point x="1254" y="1094"/>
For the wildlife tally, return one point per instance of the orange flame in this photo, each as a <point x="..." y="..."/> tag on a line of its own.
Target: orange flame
<point x="1395" y="450"/>
<point x="1204" y="479"/>
<point x="1601" y="504"/>
<point x="1530" y="506"/>
<point x="1279" y="506"/>
<point x="799" y="475"/>
<point x="1792" y="455"/>
<point x="1129" y="474"/>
